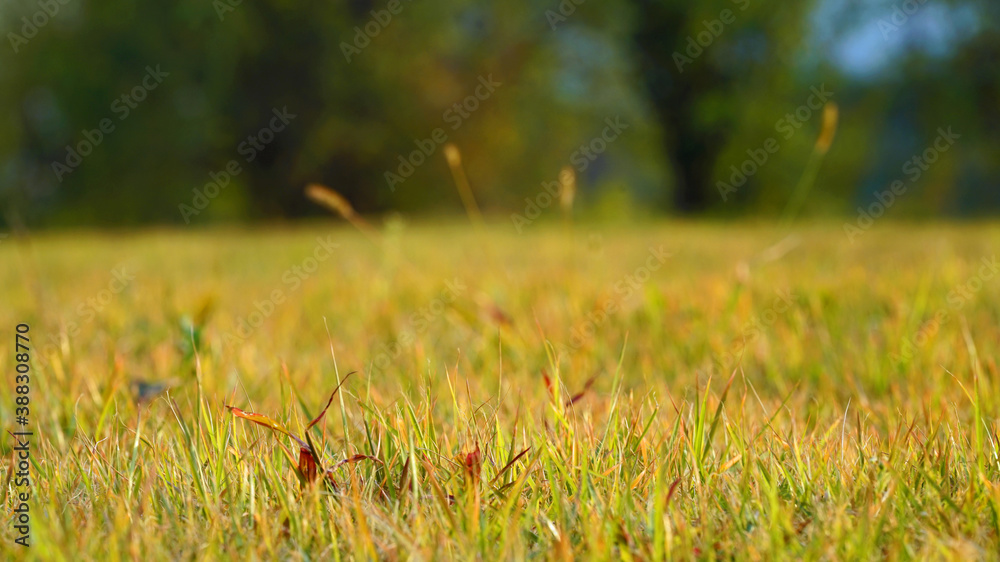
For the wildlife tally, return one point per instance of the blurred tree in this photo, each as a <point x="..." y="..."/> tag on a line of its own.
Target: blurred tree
<point x="698" y="63"/>
<point x="699" y="84"/>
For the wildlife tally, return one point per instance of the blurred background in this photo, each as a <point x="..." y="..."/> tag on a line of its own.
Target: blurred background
<point x="122" y="113"/>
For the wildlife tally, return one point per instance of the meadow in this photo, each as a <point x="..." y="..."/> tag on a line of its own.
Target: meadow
<point x="670" y="390"/>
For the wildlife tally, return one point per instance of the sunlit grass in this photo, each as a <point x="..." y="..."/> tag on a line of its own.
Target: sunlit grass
<point x="755" y="396"/>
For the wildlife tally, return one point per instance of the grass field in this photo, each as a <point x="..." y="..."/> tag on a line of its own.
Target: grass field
<point x="685" y="391"/>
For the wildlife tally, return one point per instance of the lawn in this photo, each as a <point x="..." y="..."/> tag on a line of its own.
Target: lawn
<point x="634" y="392"/>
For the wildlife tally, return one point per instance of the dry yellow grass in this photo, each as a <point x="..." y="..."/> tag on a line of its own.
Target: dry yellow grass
<point x="860" y="423"/>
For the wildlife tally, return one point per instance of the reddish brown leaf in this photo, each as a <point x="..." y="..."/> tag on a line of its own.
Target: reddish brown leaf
<point x="579" y="395"/>
<point x="265" y="421"/>
<point x="548" y="383"/>
<point x="357" y="458"/>
<point x="670" y="493"/>
<point x="474" y="463"/>
<point x="307" y="465"/>
<point x="330" y="401"/>
<point x="498" y="315"/>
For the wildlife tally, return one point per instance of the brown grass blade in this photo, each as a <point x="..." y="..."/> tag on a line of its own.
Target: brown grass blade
<point x="331" y="200"/>
<point x="265" y="421"/>
<point x="582" y="393"/>
<point x="330" y="401"/>
<point x="510" y="464"/>
<point x="340" y="205"/>
<point x="356" y="458"/>
<point x="670" y="493"/>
